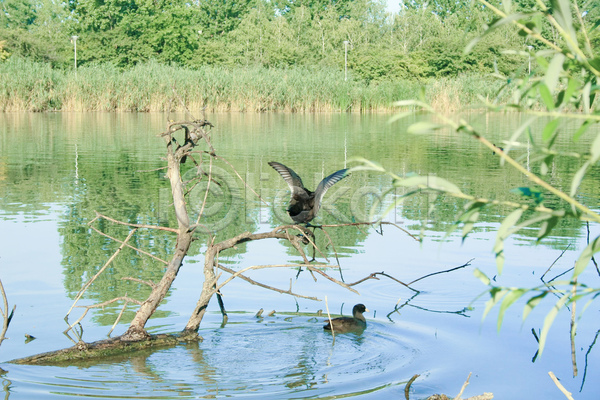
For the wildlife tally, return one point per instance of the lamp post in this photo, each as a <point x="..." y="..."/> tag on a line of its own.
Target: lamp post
<point x="74" y="40"/>
<point x="345" y="60"/>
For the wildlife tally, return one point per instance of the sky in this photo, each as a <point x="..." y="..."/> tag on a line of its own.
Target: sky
<point x="393" y="5"/>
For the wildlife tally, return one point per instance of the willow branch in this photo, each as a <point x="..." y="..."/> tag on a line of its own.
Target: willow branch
<point x="371" y="223"/>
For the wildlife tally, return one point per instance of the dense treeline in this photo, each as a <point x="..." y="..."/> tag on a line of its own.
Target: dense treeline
<point x="424" y="40"/>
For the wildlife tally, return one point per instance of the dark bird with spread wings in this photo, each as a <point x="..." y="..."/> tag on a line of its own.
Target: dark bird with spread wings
<point x="304" y="204"/>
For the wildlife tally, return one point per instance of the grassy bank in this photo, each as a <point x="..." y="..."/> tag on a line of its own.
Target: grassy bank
<point x="29" y="86"/>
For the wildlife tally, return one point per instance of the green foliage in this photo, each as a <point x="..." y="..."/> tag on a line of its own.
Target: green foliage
<point x="563" y="86"/>
<point x="414" y="44"/>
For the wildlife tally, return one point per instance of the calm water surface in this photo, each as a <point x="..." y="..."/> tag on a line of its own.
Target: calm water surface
<point x="56" y="169"/>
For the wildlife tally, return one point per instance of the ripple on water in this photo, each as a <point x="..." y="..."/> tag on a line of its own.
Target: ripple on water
<point x="278" y="357"/>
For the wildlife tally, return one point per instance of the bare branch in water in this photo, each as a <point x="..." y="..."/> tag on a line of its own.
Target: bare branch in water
<point x="559" y="385"/>
<point x="407" y="387"/>
<point x="139" y="226"/>
<point x="6" y="317"/>
<point x="464" y="386"/>
<point x="443" y="272"/>
<point x="92" y="279"/>
<point x="253" y="282"/>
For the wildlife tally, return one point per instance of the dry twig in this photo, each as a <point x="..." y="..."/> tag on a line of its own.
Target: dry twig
<point x="464" y="386"/>
<point x="6" y="317"/>
<point x="559" y="385"/>
<point x="407" y="387"/>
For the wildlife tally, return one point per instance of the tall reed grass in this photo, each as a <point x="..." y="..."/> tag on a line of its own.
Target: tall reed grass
<point x="30" y="86"/>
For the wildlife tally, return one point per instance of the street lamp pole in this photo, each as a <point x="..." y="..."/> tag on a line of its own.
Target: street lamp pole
<point x="74" y="40"/>
<point x="345" y="60"/>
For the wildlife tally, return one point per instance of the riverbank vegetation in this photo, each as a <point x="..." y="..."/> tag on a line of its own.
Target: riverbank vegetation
<point x="252" y="55"/>
<point x="34" y="86"/>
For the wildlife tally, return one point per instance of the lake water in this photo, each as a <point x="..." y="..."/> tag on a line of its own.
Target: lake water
<point x="57" y="169"/>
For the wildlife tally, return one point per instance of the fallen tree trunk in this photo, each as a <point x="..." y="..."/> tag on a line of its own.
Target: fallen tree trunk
<point x="106" y="348"/>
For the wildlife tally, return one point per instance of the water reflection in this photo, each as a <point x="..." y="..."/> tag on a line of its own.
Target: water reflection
<point x="273" y="359"/>
<point x="73" y="164"/>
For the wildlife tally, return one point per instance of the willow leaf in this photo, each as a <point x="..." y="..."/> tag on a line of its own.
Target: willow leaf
<point x="582" y="129"/>
<point x="586" y="256"/>
<point x="509" y="299"/>
<point x="549" y="129"/>
<point x="531" y="303"/>
<point x="497" y="295"/>
<point x="482" y="277"/>
<point x="553" y="72"/>
<point x="595" y="150"/>
<point x="550" y="319"/>
<point x="546" y="227"/>
<point x="546" y="96"/>
<point x="502" y="234"/>
<point x="578" y="177"/>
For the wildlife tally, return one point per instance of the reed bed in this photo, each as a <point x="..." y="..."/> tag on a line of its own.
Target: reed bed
<point x="30" y="86"/>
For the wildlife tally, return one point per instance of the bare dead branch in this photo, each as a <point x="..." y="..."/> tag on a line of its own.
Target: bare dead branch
<point x="253" y="282"/>
<point x="98" y="305"/>
<point x="149" y="283"/>
<point x="443" y="272"/>
<point x="118" y="318"/>
<point x="407" y="387"/>
<point x="236" y="274"/>
<point x="329" y="318"/>
<point x="89" y="282"/>
<point x="587" y="224"/>
<point x="206" y="191"/>
<point x="241" y="179"/>
<point x="554" y="262"/>
<point x="334" y="250"/>
<point x="371" y="223"/>
<point x="151" y="170"/>
<point x="374" y="276"/>
<point x="128" y="245"/>
<point x="559" y="385"/>
<point x="6" y="317"/>
<point x="139" y="226"/>
<point x="342" y="284"/>
<point x="464" y="386"/>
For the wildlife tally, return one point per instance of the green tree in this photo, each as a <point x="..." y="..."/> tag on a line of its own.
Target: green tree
<point x="220" y="17"/>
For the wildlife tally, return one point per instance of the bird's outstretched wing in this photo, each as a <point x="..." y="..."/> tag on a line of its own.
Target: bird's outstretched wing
<point x="328" y="182"/>
<point x="288" y="175"/>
